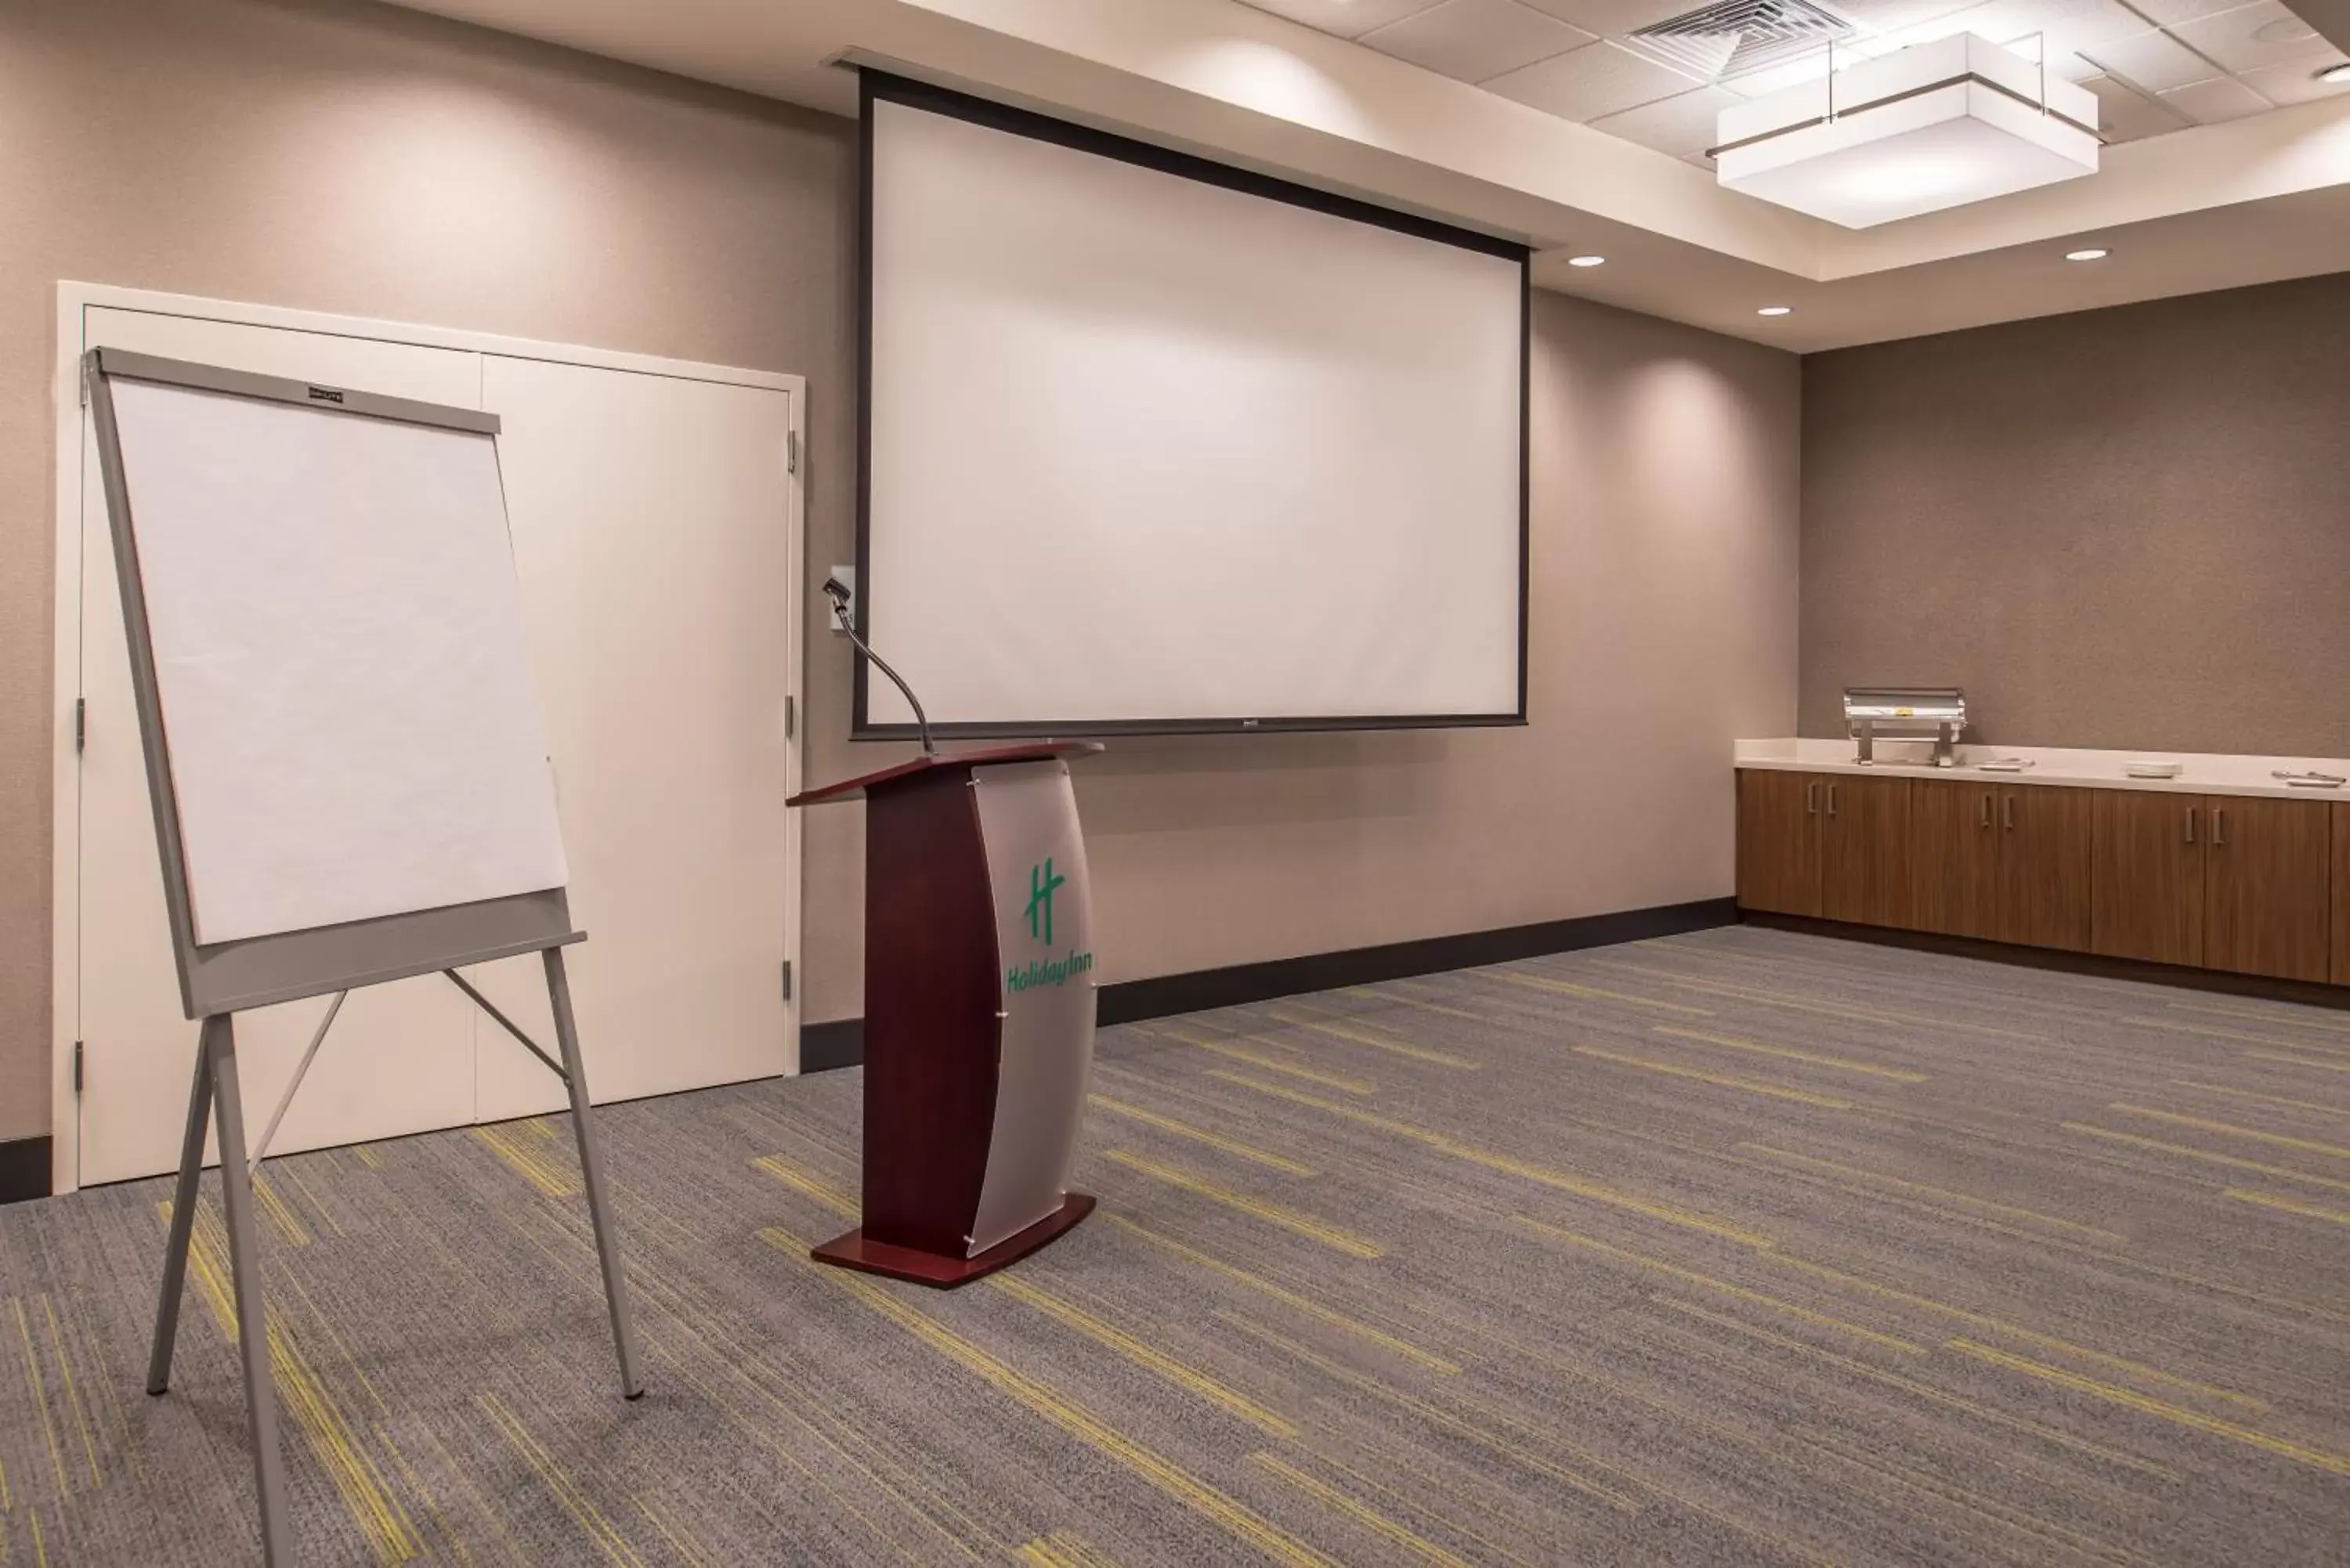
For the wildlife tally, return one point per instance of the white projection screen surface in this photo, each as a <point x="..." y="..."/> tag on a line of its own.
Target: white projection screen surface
<point x="1158" y="446"/>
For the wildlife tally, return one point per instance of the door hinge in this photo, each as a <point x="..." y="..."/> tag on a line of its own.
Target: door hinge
<point x="787" y="980"/>
<point x="81" y="721"/>
<point x="791" y="717"/>
<point x="792" y="452"/>
<point x="76" y="1066"/>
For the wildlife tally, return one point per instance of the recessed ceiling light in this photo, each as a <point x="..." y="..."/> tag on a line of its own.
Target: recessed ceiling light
<point x="1777" y="310"/>
<point x="1586" y="261"/>
<point x="2086" y="255"/>
<point x="2335" y="75"/>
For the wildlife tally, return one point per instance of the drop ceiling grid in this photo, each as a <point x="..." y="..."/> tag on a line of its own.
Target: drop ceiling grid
<point x="2155" y="65"/>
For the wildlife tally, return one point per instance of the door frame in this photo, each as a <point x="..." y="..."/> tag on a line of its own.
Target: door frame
<point x="75" y="301"/>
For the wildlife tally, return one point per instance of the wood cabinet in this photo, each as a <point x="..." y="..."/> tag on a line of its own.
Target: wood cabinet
<point x="2267" y="905"/>
<point x="2228" y="882"/>
<point x="1823" y="845"/>
<point x="2341" y="894"/>
<point x="2008" y="865"/>
<point x="2250" y="883"/>
<point x="1779" y="841"/>
<point x="1864" y="830"/>
<point x="2145" y="857"/>
<point x="2044" y="859"/>
<point x="1954" y="858"/>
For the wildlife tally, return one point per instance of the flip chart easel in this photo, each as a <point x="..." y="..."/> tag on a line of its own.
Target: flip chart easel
<point x="342" y="749"/>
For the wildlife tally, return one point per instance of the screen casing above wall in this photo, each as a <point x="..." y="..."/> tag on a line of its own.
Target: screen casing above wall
<point x="1496" y="561"/>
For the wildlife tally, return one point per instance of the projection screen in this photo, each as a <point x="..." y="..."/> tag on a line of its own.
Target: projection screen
<point x="1153" y="444"/>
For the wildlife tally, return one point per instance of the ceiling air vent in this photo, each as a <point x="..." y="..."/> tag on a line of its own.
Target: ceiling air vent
<point x="1734" y="36"/>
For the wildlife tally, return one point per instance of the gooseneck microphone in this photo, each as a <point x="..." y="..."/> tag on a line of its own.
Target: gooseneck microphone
<point x="837" y="592"/>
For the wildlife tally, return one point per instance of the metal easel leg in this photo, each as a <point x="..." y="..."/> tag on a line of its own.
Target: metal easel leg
<point x="184" y="1215"/>
<point x="245" y="1265"/>
<point x="607" y="1249"/>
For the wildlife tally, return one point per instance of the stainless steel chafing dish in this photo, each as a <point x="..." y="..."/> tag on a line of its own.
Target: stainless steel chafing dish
<point x="1936" y="713"/>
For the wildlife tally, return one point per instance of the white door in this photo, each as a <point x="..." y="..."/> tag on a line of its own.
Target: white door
<point x="660" y="589"/>
<point x="655" y="531"/>
<point x="401" y="1056"/>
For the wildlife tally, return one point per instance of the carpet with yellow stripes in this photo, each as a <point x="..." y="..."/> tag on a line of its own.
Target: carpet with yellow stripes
<point x="1741" y="1247"/>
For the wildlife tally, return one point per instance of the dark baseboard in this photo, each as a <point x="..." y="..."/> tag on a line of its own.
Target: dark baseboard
<point x="25" y="1169"/>
<point x="839" y="1044"/>
<point x="2062" y="961"/>
<point x="842" y="1044"/>
<point x="1204" y="989"/>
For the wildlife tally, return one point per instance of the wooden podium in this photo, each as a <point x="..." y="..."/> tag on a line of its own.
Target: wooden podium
<point x="979" y="1010"/>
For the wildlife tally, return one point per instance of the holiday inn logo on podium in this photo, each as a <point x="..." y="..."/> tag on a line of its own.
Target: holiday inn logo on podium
<point x="1040" y="886"/>
<point x="1043" y="883"/>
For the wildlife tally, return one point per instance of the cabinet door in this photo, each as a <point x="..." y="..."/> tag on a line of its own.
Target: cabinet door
<point x="1778" y="841"/>
<point x="2342" y="895"/>
<point x="2146" y="875"/>
<point x="2043" y="867"/>
<point x="1954" y="859"/>
<point x="2266" y="906"/>
<point x="1865" y="850"/>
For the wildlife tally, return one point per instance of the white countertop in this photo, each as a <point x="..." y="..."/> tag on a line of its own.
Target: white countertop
<point x="2205" y="773"/>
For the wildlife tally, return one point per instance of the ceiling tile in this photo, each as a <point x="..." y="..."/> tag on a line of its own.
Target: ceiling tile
<point x="2256" y="36"/>
<point x="1473" y="39"/>
<point x="1598" y="80"/>
<point x="2155" y="62"/>
<point x="2002" y="20"/>
<point x="1785" y="74"/>
<point x="1678" y="125"/>
<point x="2221" y="98"/>
<point x="2296" y="82"/>
<point x="1615" y="18"/>
<point x="1985" y="19"/>
<point x="2069" y="28"/>
<point x="1348" y="18"/>
<point x="1892" y="15"/>
<point x="2125" y="114"/>
<point x="2170" y="13"/>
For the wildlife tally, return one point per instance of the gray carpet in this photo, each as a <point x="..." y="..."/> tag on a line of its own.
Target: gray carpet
<point x="1740" y="1247"/>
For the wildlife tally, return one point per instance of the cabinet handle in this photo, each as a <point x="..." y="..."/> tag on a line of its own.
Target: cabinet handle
<point x="2007" y="812"/>
<point x="2218" y="827"/>
<point x="1812" y="800"/>
<point x="2191" y="825"/>
<point x="1986" y="810"/>
<point x="1831" y="799"/>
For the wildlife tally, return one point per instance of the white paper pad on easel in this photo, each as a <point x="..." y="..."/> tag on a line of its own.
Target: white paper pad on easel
<point x="341" y="662"/>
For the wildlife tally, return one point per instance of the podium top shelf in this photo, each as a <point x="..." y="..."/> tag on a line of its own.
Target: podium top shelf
<point x="857" y="788"/>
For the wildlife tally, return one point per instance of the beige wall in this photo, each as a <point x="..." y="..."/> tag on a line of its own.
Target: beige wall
<point x="330" y="155"/>
<point x="2125" y="527"/>
<point x="338" y="156"/>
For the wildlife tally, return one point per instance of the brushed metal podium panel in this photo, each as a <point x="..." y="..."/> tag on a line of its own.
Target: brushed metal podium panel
<point x="1043" y="933"/>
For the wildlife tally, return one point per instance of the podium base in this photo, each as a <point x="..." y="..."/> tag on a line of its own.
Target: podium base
<point x="941" y="1270"/>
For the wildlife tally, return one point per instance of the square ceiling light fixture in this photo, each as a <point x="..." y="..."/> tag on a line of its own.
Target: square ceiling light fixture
<point x="1937" y="125"/>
